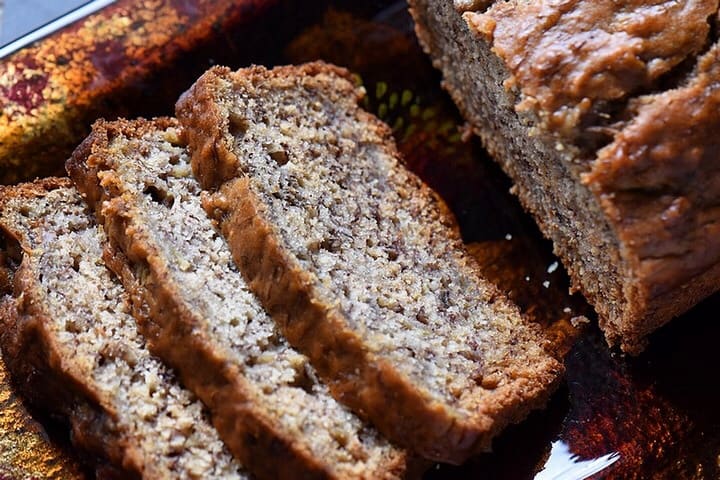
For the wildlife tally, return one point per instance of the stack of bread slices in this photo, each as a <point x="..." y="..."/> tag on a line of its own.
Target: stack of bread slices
<point x="258" y="289"/>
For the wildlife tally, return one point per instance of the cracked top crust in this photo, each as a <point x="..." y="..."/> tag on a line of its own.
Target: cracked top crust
<point x="567" y="57"/>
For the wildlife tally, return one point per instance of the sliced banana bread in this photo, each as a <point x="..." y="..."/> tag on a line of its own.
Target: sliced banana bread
<point x="625" y="183"/>
<point x="73" y="346"/>
<point x="359" y="263"/>
<point x="265" y="398"/>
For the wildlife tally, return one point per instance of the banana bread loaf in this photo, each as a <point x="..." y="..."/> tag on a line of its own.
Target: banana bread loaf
<point x="73" y="346"/>
<point x="264" y="396"/>
<point x="359" y="263"/>
<point x="604" y="114"/>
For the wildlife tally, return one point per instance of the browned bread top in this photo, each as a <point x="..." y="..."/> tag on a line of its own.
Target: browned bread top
<point x="570" y="60"/>
<point x="359" y="263"/>
<point x="72" y="344"/>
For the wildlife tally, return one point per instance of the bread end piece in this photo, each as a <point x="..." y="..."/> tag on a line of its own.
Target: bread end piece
<point x="633" y="292"/>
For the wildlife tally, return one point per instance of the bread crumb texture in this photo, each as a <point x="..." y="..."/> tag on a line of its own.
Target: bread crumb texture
<point x="160" y="427"/>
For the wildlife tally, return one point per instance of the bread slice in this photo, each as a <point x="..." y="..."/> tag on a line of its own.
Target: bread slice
<point x="73" y="346"/>
<point x="623" y="182"/>
<point x="264" y="396"/>
<point x="359" y="263"/>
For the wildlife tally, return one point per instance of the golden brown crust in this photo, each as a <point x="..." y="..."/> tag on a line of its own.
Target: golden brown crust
<point x="367" y="383"/>
<point x="175" y="332"/>
<point x="39" y="365"/>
